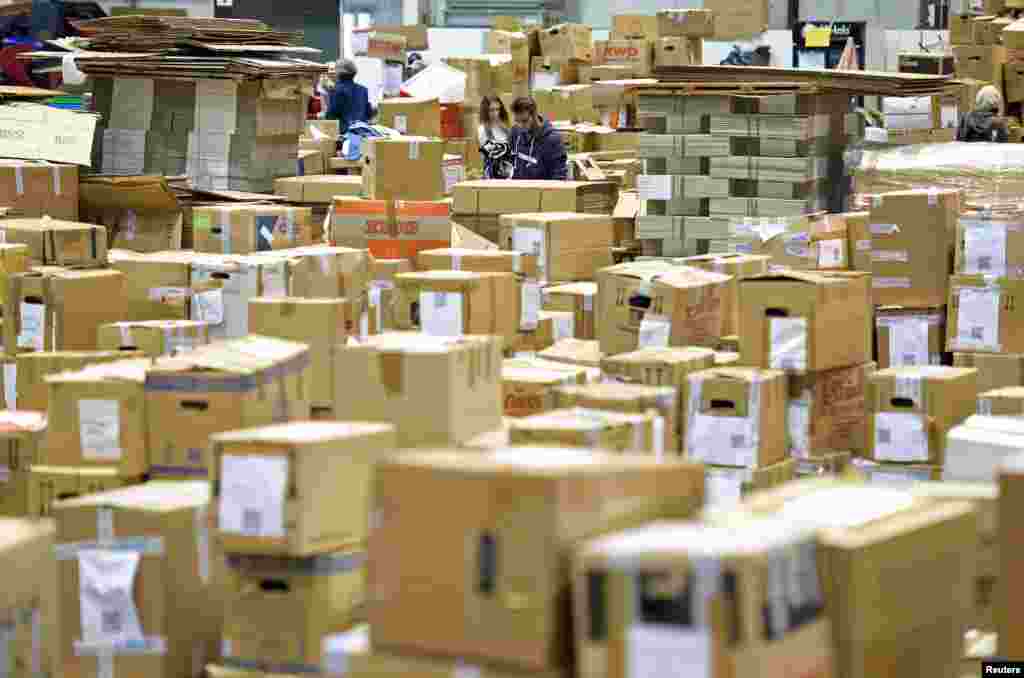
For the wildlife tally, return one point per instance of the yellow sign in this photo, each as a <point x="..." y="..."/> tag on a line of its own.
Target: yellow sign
<point x="817" y="36"/>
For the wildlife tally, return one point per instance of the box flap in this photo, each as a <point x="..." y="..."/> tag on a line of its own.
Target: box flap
<point x="136" y="193"/>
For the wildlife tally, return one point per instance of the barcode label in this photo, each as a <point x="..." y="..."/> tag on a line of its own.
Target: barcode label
<point x="909" y="359"/>
<point x="884" y="436"/>
<point x="252" y="521"/>
<point x="111" y="621"/>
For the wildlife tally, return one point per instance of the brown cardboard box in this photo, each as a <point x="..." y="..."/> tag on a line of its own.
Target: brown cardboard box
<point x="222" y="285"/>
<point x="567" y="41"/>
<point x="281" y="611"/>
<point x="636" y="53"/>
<point x="908" y="336"/>
<point x="22" y="433"/>
<point x="982" y="315"/>
<point x="910" y="410"/>
<point x="552" y="326"/>
<point x="13" y="259"/>
<point x="1014" y="74"/>
<point x="568" y="246"/>
<point x="594" y="429"/>
<point x="827" y="411"/>
<point x="578" y="299"/>
<point x="412" y="117"/>
<point x="658" y="304"/>
<point x="990" y="246"/>
<point x="151" y="582"/>
<point x="390" y="229"/>
<point x="1009" y="592"/>
<point x="617" y="639"/>
<point x="1013" y="36"/>
<point x="803" y="321"/>
<point x="39" y="189"/>
<point x="242" y="229"/>
<point x="736" y="416"/>
<point x="322" y="324"/>
<point x="320" y="189"/>
<point x="528" y="389"/>
<point x="323" y="271"/>
<point x="451" y="303"/>
<point x="97" y="417"/>
<point x="548" y="72"/>
<point x="156" y="285"/>
<point x="58" y="243"/>
<point x="629" y="26"/>
<point x="566" y="102"/>
<point x="912" y="236"/>
<point x="735" y="19"/>
<point x="740" y="267"/>
<point x="981" y="63"/>
<point x="513" y="503"/>
<point x="31" y="369"/>
<point x="153" y="338"/>
<point x="403" y="168"/>
<point x="379" y="45"/>
<point x="504" y="196"/>
<point x="29" y="600"/>
<point x="961" y="30"/>
<point x="574" y="352"/>
<point x="678" y="52"/>
<point x="686" y="23"/>
<point x="415" y="34"/>
<point x="633" y="399"/>
<point x="435" y="390"/>
<point x="515" y="44"/>
<point x="141" y="213"/>
<point x="479" y="72"/>
<point x="49" y="484"/>
<point x="858" y="233"/>
<point x="296" y="489"/>
<point x="310" y="163"/>
<point x="1001" y="402"/>
<point x="478" y="261"/>
<point x="228" y="385"/>
<point x="994" y="370"/>
<point x="57" y="309"/>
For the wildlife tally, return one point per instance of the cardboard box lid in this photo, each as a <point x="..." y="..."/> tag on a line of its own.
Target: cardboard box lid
<point x="155" y="496"/>
<point x="667" y="356"/>
<point x="575" y="352"/>
<point x="135" y="193"/>
<point x="445" y="281"/>
<point x="301" y="433"/>
<point x="245" y="356"/>
<point x="319" y="188"/>
<point x="122" y="370"/>
<point x="46" y="224"/>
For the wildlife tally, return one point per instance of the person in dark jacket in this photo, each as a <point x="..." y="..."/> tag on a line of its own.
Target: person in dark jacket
<point x="984" y="123"/>
<point x="537" y="149"/>
<point x="349" y="101"/>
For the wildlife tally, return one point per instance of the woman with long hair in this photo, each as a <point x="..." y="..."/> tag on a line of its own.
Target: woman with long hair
<point x="493" y="134"/>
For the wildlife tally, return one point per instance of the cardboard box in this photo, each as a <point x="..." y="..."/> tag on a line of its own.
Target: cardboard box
<point x="990" y="246"/>
<point x="619" y="639"/>
<point x="296" y="508"/>
<point x="479" y="72"/>
<point x="530" y="389"/>
<point x="50" y="484"/>
<point x="495" y="197"/>
<point x="568" y="246"/>
<point x="629" y="26"/>
<point x="22" y="433"/>
<point x="403" y="168"/>
<point x="981" y="63"/>
<point x="13" y="259"/>
<point x="322" y="324"/>
<point x="309" y="163"/>
<point x="994" y="370"/>
<point x="637" y="53"/>
<point x="228" y="385"/>
<point x="452" y="303"/>
<point x="982" y="315"/>
<point x="552" y="326"/>
<point x="567" y="41"/>
<point x="740" y="267"/>
<point x="56" y="309"/>
<point x="594" y="429"/>
<point x="961" y="30"/>
<point x="1002" y="402"/>
<point x="159" y="591"/>
<point x="906" y="337"/>
<point x="1009" y="592"/>
<point x="27" y="375"/>
<point x="911" y="409"/>
<point x="827" y="411"/>
<point x="412" y="117"/>
<point x="283" y="612"/>
<point x="323" y="271"/>
<point x="156" y="285"/>
<point x="531" y="543"/>
<point x="58" y="243"/>
<point x="578" y="299"/>
<point x="724" y="486"/>
<point x="515" y="44"/>
<point x="802" y="321"/>
<point x="29" y="602"/>
<point x="929" y="63"/>
<point x="566" y="102"/>
<point x="37" y="189"/>
<point x="574" y="352"/>
<point x="736" y="417"/>
<point x="547" y="72"/>
<point x="97" y="417"/>
<point x="153" y="338"/>
<point x="141" y="213"/>
<point x="221" y="287"/>
<point x="390" y="229"/>
<point x="318" y="189"/>
<point x="737" y="19"/>
<point x="977" y="448"/>
<point x="670" y="52"/>
<point x="1014" y="74"/>
<point x="858" y="233"/>
<point x="686" y="23"/>
<point x="435" y="390"/>
<point x="658" y="304"/>
<point x="377" y="44"/>
<point x="241" y="229"/>
<point x="633" y="399"/>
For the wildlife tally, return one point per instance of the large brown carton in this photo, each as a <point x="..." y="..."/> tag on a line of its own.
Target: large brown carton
<point x="911" y="409"/>
<point x="686" y="23"/>
<point x="858" y="233"/>
<point x="22" y="433"/>
<point x="578" y="299"/>
<point x="738" y="19"/>
<point x="323" y="271"/>
<point x="49" y="484"/>
<point x="568" y="246"/>
<point x="528" y="388"/>
<point x="990" y="246"/>
<point x="678" y="52"/>
<point x="13" y="259"/>
<point x="735" y="416"/>
<point x="413" y="117"/>
<point x="296" y="489"/>
<point x="370" y="662"/>
<point x="435" y="390"/>
<point x="222" y="285"/>
<point x="403" y="168"/>
<point x="29" y="601"/>
<point x="30" y="370"/>
<point x="280" y="611"/>
<point x="58" y="243"/>
<point x="629" y="398"/>
<point x="658" y="304"/>
<point x="154" y="338"/>
<point x="587" y="428"/>
<point x="228" y="385"/>
<point x="318" y="189"/>
<point x="1010" y="591"/>
<point x="452" y="303"/>
<point x="135" y="585"/>
<point x="629" y="26"/>
<point x="157" y="285"/>
<point x="523" y="511"/>
<point x="322" y="324"/>
<point x="97" y="417"/>
<point x="242" y="229"/>
<point x="733" y="611"/>
<point x="983" y="316"/>
<point x="740" y="267"/>
<point x="494" y="197"/>
<point x="141" y="213"/>
<point x="803" y="321"/>
<point x="574" y="103"/>
<point x="391" y="229"/>
<point x="912" y="236"/>
<point x="478" y="261"/>
<point x="827" y="411"/>
<point x="981" y="63"/>
<point x="57" y="310"/>
<point x="39" y="189"/>
<point x="994" y="370"/>
<point x="906" y="337"/>
<point x="567" y="41"/>
<point x="581" y="352"/>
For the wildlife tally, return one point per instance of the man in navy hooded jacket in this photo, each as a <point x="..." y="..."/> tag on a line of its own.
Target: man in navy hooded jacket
<point x="537" y="149"/>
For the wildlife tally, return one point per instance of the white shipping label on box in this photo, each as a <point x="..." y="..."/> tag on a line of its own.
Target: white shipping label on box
<point x="978" y="318"/>
<point x="985" y="248"/>
<point x="788" y="350"/>
<point x="908" y="342"/>
<point x="655" y="331"/>
<point x="723" y="487"/>
<point x="654" y="186"/>
<point x="722" y="440"/>
<point x="531" y="304"/>
<point x="531" y="241"/>
<point x="253" y="491"/>
<point x="832" y="254"/>
<point x="798" y="423"/>
<point x="208" y="306"/>
<point x="99" y="427"/>
<point x="33" y="326"/>
<point x="901" y="436"/>
<point x="662" y="650"/>
<point x="441" y="313"/>
<point x="106" y="581"/>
